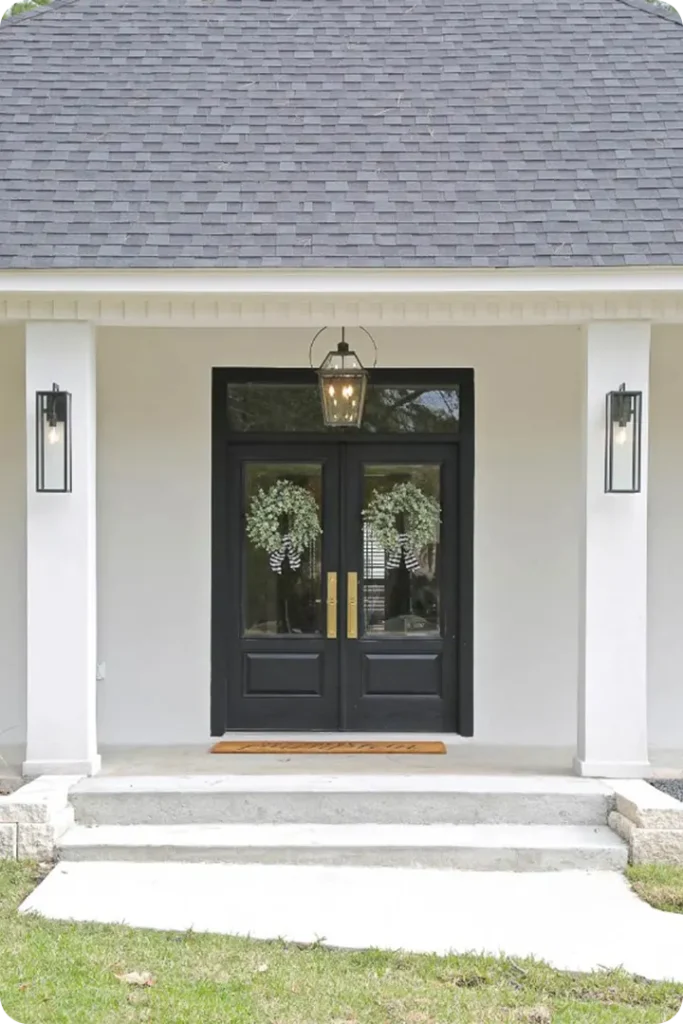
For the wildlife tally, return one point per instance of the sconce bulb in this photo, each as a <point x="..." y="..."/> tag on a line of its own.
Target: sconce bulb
<point x="331" y="390"/>
<point x="621" y="435"/>
<point x="53" y="434"/>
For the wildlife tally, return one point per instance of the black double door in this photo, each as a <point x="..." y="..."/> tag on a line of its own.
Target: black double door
<point x="349" y="637"/>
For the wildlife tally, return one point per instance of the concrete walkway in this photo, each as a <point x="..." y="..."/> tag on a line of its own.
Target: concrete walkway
<point x="574" y="920"/>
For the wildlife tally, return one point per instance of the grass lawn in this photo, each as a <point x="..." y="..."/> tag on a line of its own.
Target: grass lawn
<point x="52" y="973"/>
<point x="658" y="884"/>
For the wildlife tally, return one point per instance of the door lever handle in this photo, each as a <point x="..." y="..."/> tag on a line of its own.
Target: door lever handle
<point x="331" y="605"/>
<point x="352" y="606"/>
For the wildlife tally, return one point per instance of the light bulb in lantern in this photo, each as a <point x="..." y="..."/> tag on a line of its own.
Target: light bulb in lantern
<point x="331" y="391"/>
<point x="621" y="435"/>
<point x="53" y="434"/>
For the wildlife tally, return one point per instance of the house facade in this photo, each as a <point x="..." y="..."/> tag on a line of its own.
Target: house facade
<point x="490" y="209"/>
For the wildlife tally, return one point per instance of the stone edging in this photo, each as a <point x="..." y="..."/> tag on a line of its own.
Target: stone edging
<point x="650" y="821"/>
<point x="34" y="817"/>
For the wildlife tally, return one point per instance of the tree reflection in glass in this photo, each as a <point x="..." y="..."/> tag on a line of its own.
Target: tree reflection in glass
<point x="295" y="408"/>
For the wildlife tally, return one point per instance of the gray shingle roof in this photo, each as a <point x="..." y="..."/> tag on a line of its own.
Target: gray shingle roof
<point x="453" y="133"/>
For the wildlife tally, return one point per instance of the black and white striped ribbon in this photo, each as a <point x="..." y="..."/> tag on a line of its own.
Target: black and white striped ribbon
<point x="405" y="553"/>
<point x="286" y="552"/>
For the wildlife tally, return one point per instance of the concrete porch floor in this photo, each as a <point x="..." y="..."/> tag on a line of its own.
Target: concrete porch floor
<point x="462" y="757"/>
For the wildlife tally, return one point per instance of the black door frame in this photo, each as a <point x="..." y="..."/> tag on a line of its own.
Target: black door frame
<point x="223" y="516"/>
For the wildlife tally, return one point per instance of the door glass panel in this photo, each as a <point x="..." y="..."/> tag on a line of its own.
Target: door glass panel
<point x="400" y="585"/>
<point x="282" y="579"/>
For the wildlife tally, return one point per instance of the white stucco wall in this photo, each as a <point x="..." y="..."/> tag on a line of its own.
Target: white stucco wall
<point x="154" y="464"/>
<point x="12" y="539"/>
<point x="665" y="541"/>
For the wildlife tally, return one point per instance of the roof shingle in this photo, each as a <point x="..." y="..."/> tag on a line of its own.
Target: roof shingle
<point x="313" y="133"/>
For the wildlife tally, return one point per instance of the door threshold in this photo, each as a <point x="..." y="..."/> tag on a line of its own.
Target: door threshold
<point x="344" y="737"/>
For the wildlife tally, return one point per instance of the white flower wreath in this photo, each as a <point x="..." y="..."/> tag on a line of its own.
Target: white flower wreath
<point x="421" y="516"/>
<point x="292" y="504"/>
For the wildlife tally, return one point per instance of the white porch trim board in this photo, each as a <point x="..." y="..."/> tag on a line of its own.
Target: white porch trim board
<point x="612" y="734"/>
<point x="61" y="565"/>
<point x="371" y="281"/>
<point x="374" y="297"/>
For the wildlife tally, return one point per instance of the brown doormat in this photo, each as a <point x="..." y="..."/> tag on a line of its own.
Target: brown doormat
<point x="327" y="747"/>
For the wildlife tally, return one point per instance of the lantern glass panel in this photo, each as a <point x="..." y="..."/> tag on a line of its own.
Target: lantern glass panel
<point x="53" y="441"/>
<point x="623" y="442"/>
<point x="343" y="383"/>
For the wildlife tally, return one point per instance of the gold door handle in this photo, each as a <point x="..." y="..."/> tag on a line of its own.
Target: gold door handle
<point x="332" y="605"/>
<point x="352" y="606"/>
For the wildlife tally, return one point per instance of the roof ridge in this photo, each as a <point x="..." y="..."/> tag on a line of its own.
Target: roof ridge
<point x="659" y="8"/>
<point x="666" y="12"/>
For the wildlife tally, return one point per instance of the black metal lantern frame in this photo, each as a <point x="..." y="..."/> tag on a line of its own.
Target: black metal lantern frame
<point x="53" y="441"/>
<point x="623" y="434"/>
<point x="343" y="382"/>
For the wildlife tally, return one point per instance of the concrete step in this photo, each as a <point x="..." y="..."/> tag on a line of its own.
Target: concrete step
<point x="473" y="847"/>
<point x="427" y="799"/>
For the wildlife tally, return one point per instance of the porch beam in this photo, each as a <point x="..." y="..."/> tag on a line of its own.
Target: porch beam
<point x="612" y="721"/>
<point x="61" y="571"/>
<point x="370" y="281"/>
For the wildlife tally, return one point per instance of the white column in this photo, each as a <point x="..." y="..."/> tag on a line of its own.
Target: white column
<point x="61" y="569"/>
<point x="612" y="725"/>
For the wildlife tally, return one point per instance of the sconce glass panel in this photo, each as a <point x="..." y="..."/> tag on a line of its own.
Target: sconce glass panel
<point x="53" y="441"/>
<point x="623" y="441"/>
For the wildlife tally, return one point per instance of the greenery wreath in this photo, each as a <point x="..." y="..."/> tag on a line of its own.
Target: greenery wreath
<point x="403" y="521"/>
<point x="283" y="521"/>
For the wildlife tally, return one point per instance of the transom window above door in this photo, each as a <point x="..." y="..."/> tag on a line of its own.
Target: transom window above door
<point x="256" y="407"/>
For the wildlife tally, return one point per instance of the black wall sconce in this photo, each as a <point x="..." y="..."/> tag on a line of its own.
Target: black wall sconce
<point x="53" y="441"/>
<point x="623" y="441"/>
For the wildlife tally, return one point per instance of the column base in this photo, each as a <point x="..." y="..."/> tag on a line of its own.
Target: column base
<point x="31" y="769"/>
<point x="612" y="769"/>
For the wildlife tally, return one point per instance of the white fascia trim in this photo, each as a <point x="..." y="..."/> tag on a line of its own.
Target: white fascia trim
<point x="355" y="282"/>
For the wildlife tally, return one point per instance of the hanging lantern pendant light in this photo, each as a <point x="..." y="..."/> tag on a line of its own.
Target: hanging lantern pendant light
<point x="343" y="384"/>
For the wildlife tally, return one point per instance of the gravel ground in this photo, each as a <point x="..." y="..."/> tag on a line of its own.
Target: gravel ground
<point x="674" y="787"/>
